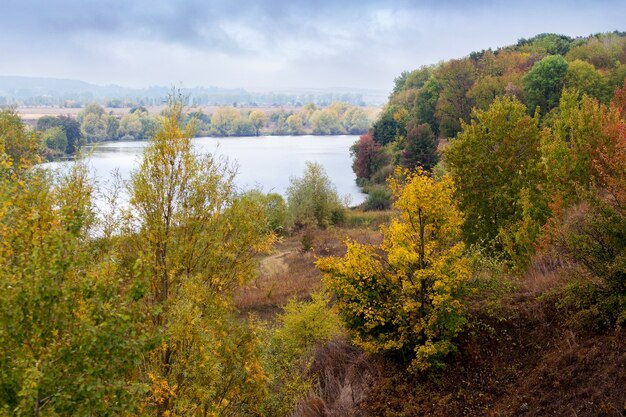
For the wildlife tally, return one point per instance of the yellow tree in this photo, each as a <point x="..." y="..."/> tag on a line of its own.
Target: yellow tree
<point x="68" y="338"/>
<point x="195" y="243"/>
<point x="406" y="295"/>
<point x="258" y="119"/>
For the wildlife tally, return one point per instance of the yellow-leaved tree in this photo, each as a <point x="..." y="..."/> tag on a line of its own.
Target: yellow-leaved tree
<point x="69" y="333"/>
<point x="405" y="296"/>
<point x="194" y="242"/>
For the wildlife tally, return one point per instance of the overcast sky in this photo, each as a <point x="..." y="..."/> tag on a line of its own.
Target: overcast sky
<point x="271" y="44"/>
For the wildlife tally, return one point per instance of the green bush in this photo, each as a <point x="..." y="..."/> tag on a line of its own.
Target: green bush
<point x="303" y="326"/>
<point x="594" y="236"/>
<point x="312" y="200"/>
<point x="378" y="198"/>
<point x="55" y="138"/>
<point x="274" y="208"/>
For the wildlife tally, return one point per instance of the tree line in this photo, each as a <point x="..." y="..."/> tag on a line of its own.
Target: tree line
<point x="64" y="135"/>
<point x="429" y="105"/>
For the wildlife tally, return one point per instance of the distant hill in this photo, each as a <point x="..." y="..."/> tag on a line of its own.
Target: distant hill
<point x="37" y="91"/>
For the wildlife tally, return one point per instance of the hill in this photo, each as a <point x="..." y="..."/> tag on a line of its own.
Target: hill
<point x="532" y="135"/>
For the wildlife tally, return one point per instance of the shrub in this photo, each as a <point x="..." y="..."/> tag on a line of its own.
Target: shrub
<point x="313" y="200"/>
<point x="407" y="299"/>
<point x="303" y="326"/>
<point x="594" y="236"/>
<point x="274" y="209"/>
<point x="378" y="198"/>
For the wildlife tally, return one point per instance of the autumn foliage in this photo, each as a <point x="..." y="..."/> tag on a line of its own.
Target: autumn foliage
<point x="405" y="295"/>
<point x="368" y="155"/>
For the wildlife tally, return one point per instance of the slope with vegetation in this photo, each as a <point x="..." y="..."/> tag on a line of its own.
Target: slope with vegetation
<point x="532" y="139"/>
<point x="429" y="105"/>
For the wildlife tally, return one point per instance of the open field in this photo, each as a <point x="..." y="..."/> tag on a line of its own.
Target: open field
<point x="289" y="271"/>
<point x="34" y="113"/>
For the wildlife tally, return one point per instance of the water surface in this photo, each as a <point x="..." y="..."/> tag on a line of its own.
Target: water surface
<point x="265" y="162"/>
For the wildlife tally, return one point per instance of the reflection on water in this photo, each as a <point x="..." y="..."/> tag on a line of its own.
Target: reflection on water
<point x="265" y="162"/>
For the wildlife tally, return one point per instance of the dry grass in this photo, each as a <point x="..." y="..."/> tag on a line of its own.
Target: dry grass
<point x="546" y="271"/>
<point x="345" y="375"/>
<point x="290" y="272"/>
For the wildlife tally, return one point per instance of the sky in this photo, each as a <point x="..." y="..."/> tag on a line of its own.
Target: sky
<point x="264" y="45"/>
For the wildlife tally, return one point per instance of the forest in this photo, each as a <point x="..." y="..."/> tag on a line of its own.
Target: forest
<point x="484" y="275"/>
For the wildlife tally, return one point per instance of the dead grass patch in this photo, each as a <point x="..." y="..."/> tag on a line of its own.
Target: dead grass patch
<point x="290" y="272"/>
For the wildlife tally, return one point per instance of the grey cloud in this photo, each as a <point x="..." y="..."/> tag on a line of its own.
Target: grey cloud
<point x="272" y="42"/>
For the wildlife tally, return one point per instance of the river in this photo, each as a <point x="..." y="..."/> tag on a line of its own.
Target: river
<point x="264" y="162"/>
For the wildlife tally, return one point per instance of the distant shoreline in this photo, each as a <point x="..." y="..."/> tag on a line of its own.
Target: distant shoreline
<point x="31" y="114"/>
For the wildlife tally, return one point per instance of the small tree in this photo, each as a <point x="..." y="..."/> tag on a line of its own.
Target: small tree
<point x="406" y="299"/>
<point x="420" y="147"/>
<point x="56" y="139"/>
<point x="302" y="327"/>
<point x="69" y="331"/>
<point x="258" y="119"/>
<point x="195" y="242"/>
<point x="312" y="199"/>
<point x="368" y="157"/>
<point x="492" y="161"/>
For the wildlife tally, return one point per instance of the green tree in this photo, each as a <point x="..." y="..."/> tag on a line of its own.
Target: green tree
<point x="406" y="295"/>
<point x="326" y="122"/>
<point x="137" y="125"/>
<point x="302" y="327"/>
<point x="312" y="199"/>
<point x="112" y="127"/>
<point x="546" y="43"/>
<point x="67" y="324"/>
<point x="580" y="132"/>
<point x="17" y="147"/>
<point x="584" y="78"/>
<point x="592" y="231"/>
<point x="73" y="133"/>
<point x="356" y="121"/>
<point x="274" y="208"/>
<point x="455" y="79"/>
<point x="55" y="138"/>
<point x="46" y="122"/>
<point x="486" y="89"/>
<point x="294" y="123"/>
<point x="602" y="51"/>
<point x="93" y="123"/>
<point x="419" y="147"/>
<point x="389" y="126"/>
<point x="426" y="103"/>
<point x="544" y="82"/>
<point x="225" y="120"/>
<point x="493" y="159"/>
